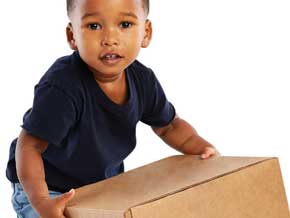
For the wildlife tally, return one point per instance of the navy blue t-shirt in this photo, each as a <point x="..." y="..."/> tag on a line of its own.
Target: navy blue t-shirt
<point x="89" y="135"/>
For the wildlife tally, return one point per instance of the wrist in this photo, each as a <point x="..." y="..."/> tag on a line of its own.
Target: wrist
<point x="195" y="145"/>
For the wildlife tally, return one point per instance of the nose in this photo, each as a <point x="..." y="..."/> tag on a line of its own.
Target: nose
<point x="110" y="37"/>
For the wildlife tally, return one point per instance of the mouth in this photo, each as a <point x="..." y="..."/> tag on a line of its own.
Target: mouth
<point x="110" y="57"/>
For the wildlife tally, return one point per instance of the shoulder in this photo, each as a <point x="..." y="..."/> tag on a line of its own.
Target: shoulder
<point x="63" y="73"/>
<point x="141" y="72"/>
<point x="138" y="67"/>
<point x="66" y="78"/>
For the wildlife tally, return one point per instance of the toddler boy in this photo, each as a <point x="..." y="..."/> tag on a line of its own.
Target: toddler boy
<point x="86" y="107"/>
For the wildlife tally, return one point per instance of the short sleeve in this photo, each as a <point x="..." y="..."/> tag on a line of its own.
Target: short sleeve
<point x="158" y="111"/>
<point x="52" y="115"/>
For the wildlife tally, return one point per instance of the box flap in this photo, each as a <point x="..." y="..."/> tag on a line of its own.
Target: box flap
<point x="153" y="181"/>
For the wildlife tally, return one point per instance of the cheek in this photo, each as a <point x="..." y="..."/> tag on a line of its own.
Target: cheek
<point x="134" y="39"/>
<point x="85" y="37"/>
<point x="89" y="43"/>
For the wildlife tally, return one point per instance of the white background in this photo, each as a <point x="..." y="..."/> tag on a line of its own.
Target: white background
<point x="224" y="64"/>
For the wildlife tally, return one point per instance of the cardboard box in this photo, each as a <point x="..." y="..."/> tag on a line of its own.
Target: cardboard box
<point x="184" y="186"/>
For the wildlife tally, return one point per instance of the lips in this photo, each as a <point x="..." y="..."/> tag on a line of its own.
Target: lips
<point x="110" y="56"/>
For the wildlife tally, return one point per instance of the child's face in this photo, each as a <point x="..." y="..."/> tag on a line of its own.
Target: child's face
<point x="108" y="33"/>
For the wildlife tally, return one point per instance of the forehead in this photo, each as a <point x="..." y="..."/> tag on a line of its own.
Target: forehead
<point x="82" y="7"/>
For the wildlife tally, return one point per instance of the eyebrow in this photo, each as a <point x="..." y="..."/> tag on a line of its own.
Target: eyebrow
<point x="129" y="14"/>
<point x="89" y="15"/>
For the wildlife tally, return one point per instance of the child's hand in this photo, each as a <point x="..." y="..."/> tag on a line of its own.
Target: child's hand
<point x="208" y="152"/>
<point x="54" y="208"/>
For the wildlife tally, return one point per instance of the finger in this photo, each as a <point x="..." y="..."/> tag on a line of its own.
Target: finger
<point x="208" y="152"/>
<point x="66" y="197"/>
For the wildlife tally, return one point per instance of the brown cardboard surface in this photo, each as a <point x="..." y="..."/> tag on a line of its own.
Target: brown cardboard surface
<point x="184" y="186"/>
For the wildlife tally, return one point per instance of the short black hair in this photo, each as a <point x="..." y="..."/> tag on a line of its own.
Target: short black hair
<point x="70" y="4"/>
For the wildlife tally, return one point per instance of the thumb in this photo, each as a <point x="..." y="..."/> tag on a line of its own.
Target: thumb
<point x="66" y="197"/>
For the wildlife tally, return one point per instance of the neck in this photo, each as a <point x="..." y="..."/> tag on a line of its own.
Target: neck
<point x="115" y="87"/>
<point x="107" y="78"/>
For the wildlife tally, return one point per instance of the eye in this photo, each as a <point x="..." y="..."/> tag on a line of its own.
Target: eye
<point x="95" y="26"/>
<point x="125" y="24"/>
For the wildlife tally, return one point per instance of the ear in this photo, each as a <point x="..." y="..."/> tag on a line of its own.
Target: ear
<point x="70" y="37"/>
<point x="148" y="34"/>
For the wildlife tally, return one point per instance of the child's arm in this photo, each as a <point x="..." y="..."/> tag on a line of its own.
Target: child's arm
<point x="30" y="171"/>
<point x="181" y="136"/>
